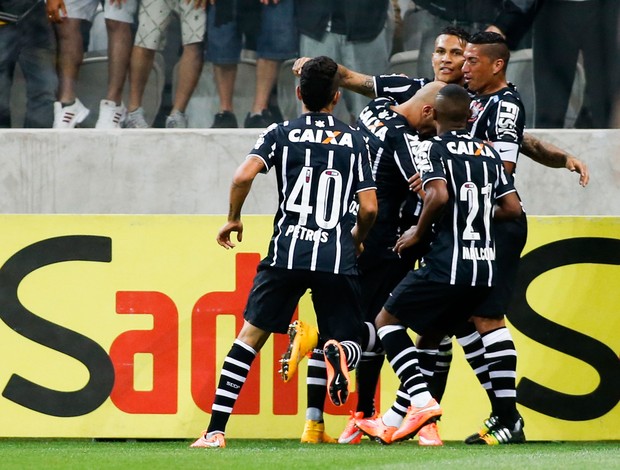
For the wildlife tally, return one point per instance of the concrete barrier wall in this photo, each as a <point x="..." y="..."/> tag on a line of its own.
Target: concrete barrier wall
<point x="158" y="171"/>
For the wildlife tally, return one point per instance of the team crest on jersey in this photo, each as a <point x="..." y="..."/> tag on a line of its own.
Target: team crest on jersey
<point x="320" y="136"/>
<point x="507" y="120"/>
<point x="476" y="108"/>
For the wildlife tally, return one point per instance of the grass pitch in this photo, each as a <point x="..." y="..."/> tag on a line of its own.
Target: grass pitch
<point x="249" y="454"/>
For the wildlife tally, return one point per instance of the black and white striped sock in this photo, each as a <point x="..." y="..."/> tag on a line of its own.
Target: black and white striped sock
<point x="232" y="377"/>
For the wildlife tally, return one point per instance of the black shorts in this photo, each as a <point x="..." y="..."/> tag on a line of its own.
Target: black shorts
<point x="432" y="308"/>
<point x="510" y="238"/>
<point x="377" y="280"/>
<point x="336" y="298"/>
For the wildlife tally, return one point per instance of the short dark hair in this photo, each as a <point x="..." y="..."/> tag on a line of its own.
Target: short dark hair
<point x="452" y="103"/>
<point x="457" y="31"/>
<point x="497" y="45"/>
<point x="318" y="82"/>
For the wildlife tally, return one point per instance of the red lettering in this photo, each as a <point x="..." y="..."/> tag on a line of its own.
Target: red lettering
<point x="205" y="371"/>
<point x="162" y="342"/>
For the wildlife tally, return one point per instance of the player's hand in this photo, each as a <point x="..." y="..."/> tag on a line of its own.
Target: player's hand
<point x="415" y="183"/>
<point x="576" y="165"/>
<point x="359" y="245"/>
<point x="299" y="63"/>
<point x="223" y="236"/>
<point x="406" y="240"/>
<point x="56" y="11"/>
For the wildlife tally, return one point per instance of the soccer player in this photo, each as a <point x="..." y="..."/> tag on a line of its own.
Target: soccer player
<point x="392" y="131"/>
<point x="463" y="179"/>
<point x="498" y="117"/>
<point x="321" y="164"/>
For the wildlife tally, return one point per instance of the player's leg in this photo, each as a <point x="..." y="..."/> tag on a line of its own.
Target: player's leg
<point x="338" y="309"/>
<point x="505" y="424"/>
<point x="402" y="355"/>
<point x="271" y="303"/>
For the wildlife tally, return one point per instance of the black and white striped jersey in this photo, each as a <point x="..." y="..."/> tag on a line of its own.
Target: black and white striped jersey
<point x="463" y="251"/>
<point x="320" y="164"/>
<point x="398" y="87"/>
<point x="391" y="142"/>
<point x="499" y="118"/>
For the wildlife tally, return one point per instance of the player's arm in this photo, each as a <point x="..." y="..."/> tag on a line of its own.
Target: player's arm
<point x="436" y="198"/>
<point x="239" y="190"/>
<point x="507" y="207"/>
<point x="366" y="215"/>
<point x="349" y="79"/>
<point x="549" y="155"/>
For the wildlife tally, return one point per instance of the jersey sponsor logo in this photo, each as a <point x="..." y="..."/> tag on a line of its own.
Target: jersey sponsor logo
<point x="478" y="254"/>
<point x="421" y="156"/>
<point x="507" y="120"/>
<point x="320" y="136"/>
<point x="305" y="234"/>
<point x="374" y="123"/>
<point x="469" y="148"/>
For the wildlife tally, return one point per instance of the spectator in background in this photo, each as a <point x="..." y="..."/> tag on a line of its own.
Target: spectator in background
<point x="352" y="32"/>
<point x="268" y="27"/>
<point x="153" y="18"/>
<point x="510" y="18"/>
<point x="27" y="39"/>
<point x="67" y="16"/>
<point x="562" y="30"/>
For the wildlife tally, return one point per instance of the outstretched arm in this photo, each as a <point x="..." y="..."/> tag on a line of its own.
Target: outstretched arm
<point x="549" y="155"/>
<point x="349" y="79"/>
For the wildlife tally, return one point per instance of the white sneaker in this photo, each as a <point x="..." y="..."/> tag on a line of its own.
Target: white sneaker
<point x="176" y="120"/>
<point x="110" y="115"/>
<point x="136" y="120"/>
<point x="67" y="117"/>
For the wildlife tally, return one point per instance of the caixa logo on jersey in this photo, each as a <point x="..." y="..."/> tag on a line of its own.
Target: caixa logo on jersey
<point x="321" y="136"/>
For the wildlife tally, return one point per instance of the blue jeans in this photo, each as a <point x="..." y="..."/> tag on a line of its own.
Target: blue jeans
<point x="32" y="45"/>
<point x="277" y="37"/>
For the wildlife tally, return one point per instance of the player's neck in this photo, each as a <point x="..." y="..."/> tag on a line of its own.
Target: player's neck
<point x="493" y="87"/>
<point x="445" y="127"/>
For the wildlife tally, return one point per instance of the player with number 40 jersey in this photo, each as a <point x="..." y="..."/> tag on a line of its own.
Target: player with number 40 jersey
<point x="321" y="164"/>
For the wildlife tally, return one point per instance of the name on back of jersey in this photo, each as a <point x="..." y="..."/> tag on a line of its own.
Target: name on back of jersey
<point x="303" y="233"/>
<point x="479" y="253"/>
<point x="321" y="136"/>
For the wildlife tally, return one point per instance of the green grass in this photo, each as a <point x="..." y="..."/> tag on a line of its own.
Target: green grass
<point x="289" y="454"/>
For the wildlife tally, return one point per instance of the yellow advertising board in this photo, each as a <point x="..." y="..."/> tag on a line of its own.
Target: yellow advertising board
<point x="116" y="326"/>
